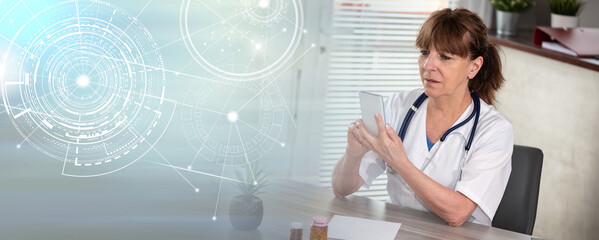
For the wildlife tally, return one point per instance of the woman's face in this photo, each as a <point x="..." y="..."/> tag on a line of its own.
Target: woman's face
<point x="445" y="74"/>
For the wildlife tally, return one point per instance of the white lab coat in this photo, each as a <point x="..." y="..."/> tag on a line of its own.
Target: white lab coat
<point x="481" y="174"/>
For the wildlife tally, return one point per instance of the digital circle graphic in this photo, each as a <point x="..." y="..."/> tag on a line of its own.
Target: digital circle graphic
<point x="241" y="40"/>
<point x="232" y="125"/>
<point x="89" y="88"/>
<point x="264" y="13"/>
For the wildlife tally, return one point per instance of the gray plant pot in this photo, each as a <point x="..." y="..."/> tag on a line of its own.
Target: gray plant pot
<point x="245" y="212"/>
<point x="507" y="23"/>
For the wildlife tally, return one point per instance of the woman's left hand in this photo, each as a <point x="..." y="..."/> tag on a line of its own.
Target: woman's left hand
<point x="387" y="144"/>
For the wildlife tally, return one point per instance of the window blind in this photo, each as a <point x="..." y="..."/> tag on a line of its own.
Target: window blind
<point x="371" y="48"/>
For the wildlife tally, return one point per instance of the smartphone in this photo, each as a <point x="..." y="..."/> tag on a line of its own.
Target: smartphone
<point x="370" y="104"/>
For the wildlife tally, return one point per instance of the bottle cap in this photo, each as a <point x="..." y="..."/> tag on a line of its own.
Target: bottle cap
<point x="319" y="221"/>
<point x="297" y="225"/>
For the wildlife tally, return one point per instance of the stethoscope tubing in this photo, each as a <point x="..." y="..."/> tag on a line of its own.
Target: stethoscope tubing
<point x="475" y="114"/>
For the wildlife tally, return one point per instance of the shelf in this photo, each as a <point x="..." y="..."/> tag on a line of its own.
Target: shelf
<point x="523" y="41"/>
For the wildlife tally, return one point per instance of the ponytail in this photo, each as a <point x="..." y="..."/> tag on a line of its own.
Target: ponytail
<point x="489" y="78"/>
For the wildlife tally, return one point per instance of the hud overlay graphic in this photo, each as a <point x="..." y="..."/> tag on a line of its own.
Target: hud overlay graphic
<point x="241" y="40"/>
<point x="232" y="125"/>
<point x="86" y="84"/>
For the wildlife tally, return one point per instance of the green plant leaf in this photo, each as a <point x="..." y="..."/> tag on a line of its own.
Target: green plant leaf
<point x="565" y="7"/>
<point x="247" y="187"/>
<point x="512" y="5"/>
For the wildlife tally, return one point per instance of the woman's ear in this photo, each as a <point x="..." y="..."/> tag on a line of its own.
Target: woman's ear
<point x="475" y="66"/>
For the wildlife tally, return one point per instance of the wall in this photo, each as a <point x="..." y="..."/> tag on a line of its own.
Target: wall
<point x="589" y="16"/>
<point x="555" y="106"/>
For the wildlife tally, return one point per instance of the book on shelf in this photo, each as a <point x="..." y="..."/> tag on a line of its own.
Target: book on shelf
<point x="579" y="42"/>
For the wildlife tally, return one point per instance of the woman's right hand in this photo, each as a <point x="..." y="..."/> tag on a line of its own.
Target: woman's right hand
<point x="346" y="178"/>
<point x="354" y="147"/>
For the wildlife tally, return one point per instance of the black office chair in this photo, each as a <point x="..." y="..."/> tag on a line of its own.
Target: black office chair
<point x="518" y="208"/>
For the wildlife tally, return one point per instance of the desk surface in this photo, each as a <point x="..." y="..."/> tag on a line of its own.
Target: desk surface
<point x="309" y="200"/>
<point x="144" y="203"/>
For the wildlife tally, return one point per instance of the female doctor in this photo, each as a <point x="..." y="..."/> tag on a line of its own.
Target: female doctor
<point x="455" y="156"/>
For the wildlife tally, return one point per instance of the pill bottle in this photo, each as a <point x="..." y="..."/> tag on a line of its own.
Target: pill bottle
<point x="318" y="230"/>
<point x="296" y="231"/>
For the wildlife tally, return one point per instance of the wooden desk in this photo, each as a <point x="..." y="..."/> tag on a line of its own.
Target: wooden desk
<point x="299" y="202"/>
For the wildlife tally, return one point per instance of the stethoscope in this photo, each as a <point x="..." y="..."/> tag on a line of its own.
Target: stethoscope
<point x="406" y="122"/>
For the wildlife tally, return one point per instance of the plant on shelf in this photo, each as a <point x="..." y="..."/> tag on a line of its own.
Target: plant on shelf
<point x="246" y="209"/>
<point x="563" y="13"/>
<point x="517" y="6"/>
<point x="564" y="7"/>
<point x="507" y="15"/>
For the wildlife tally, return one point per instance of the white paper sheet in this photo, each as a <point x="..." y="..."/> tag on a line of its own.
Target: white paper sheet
<point x="353" y="228"/>
<point x="558" y="47"/>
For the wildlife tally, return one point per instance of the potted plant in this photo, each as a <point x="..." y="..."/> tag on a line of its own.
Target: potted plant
<point x="564" y="12"/>
<point x="246" y="209"/>
<point x="507" y="15"/>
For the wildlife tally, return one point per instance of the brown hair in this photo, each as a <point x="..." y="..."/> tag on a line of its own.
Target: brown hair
<point x="463" y="33"/>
